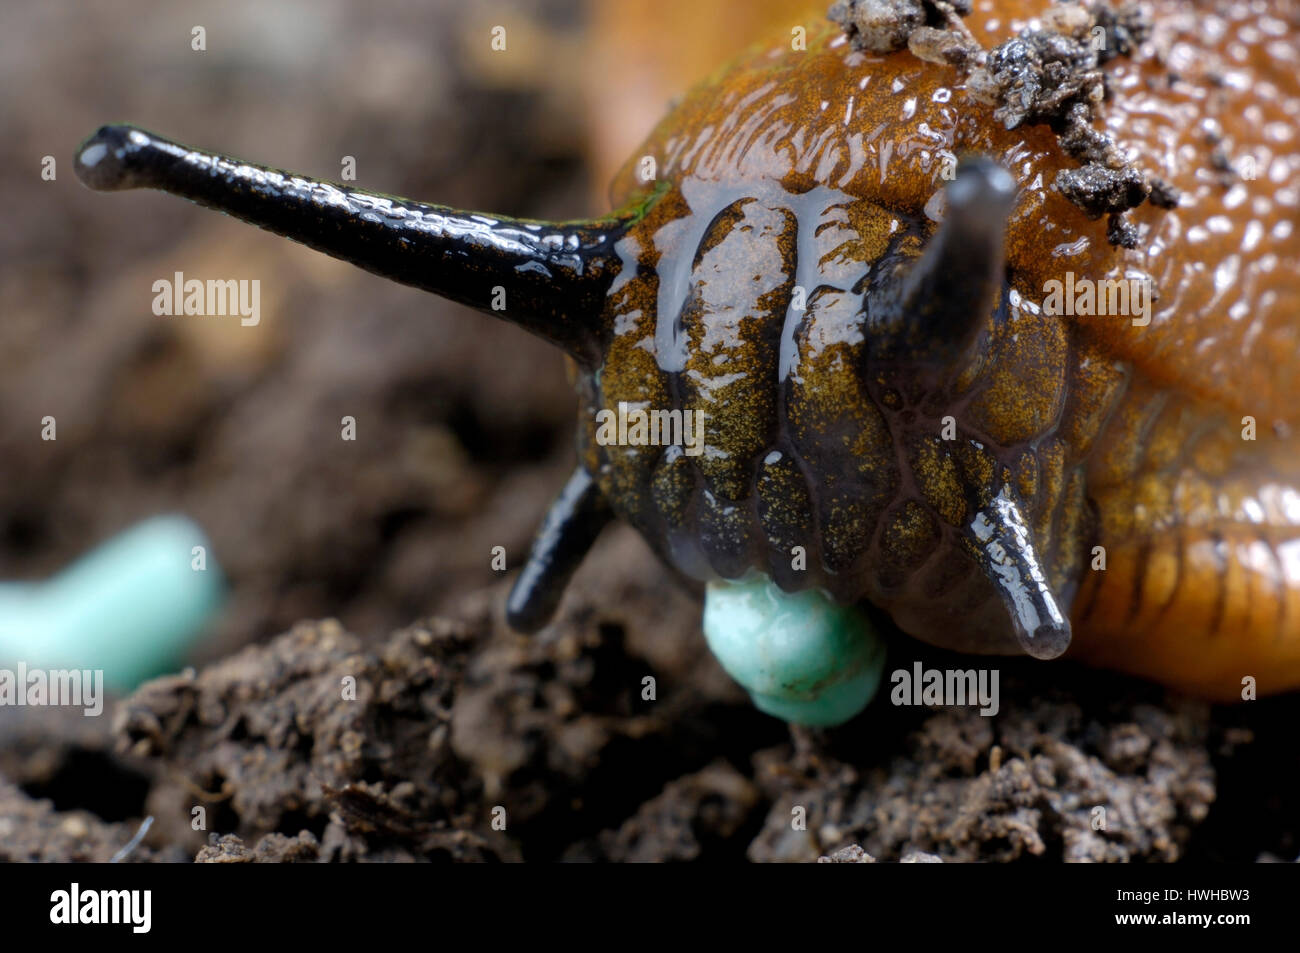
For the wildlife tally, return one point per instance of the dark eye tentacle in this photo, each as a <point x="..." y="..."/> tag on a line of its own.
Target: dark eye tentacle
<point x="932" y="312"/>
<point x="568" y="530"/>
<point x="948" y="296"/>
<point x="937" y="305"/>
<point x="554" y="277"/>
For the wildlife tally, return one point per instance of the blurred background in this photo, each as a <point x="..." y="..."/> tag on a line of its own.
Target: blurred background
<point x="464" y="424"/>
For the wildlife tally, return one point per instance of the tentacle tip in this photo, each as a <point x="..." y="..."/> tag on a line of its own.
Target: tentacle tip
<point x="983" y="187"/>
<point x="523" y="613"/>
<point x="1048" y="641"/>
<point x="102" y="161"/>
<point x="571" y="526"/>
<point x="1003" y="545"/>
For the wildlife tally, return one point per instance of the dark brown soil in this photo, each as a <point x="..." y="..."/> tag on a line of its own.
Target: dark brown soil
<point x="455" y="739"/>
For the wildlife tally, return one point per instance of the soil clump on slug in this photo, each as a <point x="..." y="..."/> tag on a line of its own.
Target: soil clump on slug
<point x="1049" y="74"/>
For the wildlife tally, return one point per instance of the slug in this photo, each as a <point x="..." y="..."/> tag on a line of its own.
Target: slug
<point x="894" y="392"/>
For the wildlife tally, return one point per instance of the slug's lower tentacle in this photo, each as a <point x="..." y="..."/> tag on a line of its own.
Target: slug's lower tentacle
<point x="549" y="279"/>
<point x="933" y="308"/>
<point x="571" y="525"/>
<point x="1002" y="545"/>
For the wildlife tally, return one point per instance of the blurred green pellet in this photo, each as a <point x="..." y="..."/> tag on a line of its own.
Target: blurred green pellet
<point x="131" y="607"/>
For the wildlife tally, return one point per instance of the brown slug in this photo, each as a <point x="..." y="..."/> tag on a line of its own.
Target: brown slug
<point x="898" y="374"/>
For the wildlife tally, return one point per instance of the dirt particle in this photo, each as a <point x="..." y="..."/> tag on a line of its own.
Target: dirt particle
<point x="886" y="26"/>
<point x="878" y="26"/>
<point x="1125" y="28"/>
<point x="946" y="47"/>
<point x="225" y="849"/>
<point x="853" y="854"/>
<point x="1120" y="232"/>
<point x="1163" y="194"/>
<point x="920" y="857"/>
<point x="1099" y="190"/>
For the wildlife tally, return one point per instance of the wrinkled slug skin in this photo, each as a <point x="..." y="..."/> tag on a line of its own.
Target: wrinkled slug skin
<point x="799" y="169"/>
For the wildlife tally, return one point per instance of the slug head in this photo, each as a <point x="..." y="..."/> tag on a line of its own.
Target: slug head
<point x="854" y="416"/>
<point x="811" y="384"/>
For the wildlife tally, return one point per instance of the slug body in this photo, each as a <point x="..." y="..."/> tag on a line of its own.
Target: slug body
<point x="1118" y="444"/>
<point x="893" y="411"/>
